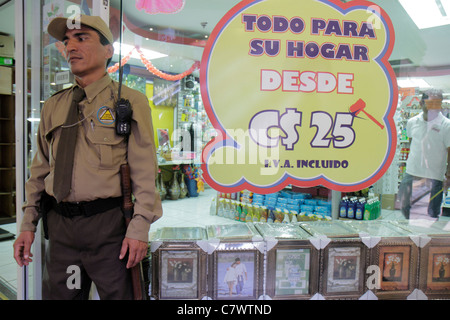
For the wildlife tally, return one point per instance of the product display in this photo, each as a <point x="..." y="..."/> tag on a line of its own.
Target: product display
<point x="280" y="207"/>
<point x="362" y="208"/>
<point x="306" y="260"/>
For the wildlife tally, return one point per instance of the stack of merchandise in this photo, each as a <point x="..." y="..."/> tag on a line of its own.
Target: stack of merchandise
<point x="280" y="207"/>
<point x="360" y="208"/>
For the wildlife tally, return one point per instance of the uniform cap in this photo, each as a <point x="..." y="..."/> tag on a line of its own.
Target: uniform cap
<point x="58" y="26"/>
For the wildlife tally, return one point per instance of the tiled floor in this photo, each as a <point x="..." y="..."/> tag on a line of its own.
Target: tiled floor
<point x="189" y="212"/>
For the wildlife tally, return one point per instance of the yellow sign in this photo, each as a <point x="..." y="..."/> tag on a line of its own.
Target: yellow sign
<point x="301" y="93"/>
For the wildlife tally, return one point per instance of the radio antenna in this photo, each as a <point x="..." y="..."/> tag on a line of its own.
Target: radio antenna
<point x="120" y="50"/>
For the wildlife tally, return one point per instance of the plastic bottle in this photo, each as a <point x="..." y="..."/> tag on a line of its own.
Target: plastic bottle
<point x="294" y="217"/>
<point x="278" y="216"/>
<point x="264" y="214"/>
<point x="213" y="207"/>
<point x="377" y="208"/>
<point x="243" y="212"/>
<point x="238" y="212"/>
<point x="220" y="207"/>
<point x="368" y="210"/>
<point x="249" y="216"/>
<point x="343" y="207"/>
<point x="351" y="208"/>
<point x="271" y="217"/>
<point x="226" y="208"/>
<point x="286" y="219"/>
<point x="256" y="213"/>
<point x="360" y="206"/>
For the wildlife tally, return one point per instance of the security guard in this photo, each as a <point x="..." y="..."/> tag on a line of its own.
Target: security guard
<point x="86" y="227"/>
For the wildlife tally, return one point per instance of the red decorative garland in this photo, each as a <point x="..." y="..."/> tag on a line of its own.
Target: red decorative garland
<point x="145" y="61"/>
<point x="152" y="68"/>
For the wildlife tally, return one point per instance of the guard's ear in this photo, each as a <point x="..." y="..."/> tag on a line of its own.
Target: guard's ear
<point x="109" y="51"/>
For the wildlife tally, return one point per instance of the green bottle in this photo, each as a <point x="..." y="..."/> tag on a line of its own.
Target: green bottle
<point x="238" y="212"/>
<point x="368" y="210"/>
<point x="244" y="212"/>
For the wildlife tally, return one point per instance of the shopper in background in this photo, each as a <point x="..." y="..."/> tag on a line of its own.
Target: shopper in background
<point x="429" y="132"/>
<point x="86" y="227"/>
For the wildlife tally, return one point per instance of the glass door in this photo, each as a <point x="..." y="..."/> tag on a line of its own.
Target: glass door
<point x="28" y="103"/>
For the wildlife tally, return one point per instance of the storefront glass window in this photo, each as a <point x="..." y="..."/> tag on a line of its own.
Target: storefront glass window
<point x="163" y="44"/>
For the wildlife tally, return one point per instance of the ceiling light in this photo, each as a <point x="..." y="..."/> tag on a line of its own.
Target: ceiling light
<point x="412" y="83"/>
<point x="428" y="13"/>
<point x="148" y="54"/>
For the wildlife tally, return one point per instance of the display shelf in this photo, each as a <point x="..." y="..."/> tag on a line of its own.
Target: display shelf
<point x="316" y="260"/>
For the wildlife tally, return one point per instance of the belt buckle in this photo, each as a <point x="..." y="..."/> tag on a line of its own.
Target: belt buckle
<point x="73" y="209"/>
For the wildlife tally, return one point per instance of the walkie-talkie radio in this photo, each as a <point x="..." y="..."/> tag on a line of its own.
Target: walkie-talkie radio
<point x="123" y="117"/>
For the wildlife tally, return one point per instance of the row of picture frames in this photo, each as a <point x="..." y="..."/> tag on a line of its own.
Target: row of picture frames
<point x="308" y="260"/>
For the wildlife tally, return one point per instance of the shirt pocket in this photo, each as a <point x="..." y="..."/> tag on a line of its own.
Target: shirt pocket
<point x="52" y="137"/>
<point x="108" y="150"/>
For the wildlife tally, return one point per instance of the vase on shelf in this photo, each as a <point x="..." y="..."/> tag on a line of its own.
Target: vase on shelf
<point x="163" y="190"/>
<point x="174" y="189"/>
<point x="183" y="187"/>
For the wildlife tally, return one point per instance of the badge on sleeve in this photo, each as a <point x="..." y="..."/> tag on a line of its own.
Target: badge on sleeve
<point x="106" y="116"/>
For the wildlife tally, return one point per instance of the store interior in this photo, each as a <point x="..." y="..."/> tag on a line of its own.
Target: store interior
<point x="174" y="44"/>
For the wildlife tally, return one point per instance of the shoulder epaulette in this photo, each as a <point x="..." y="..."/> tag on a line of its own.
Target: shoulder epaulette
<point x="61" y="91"/>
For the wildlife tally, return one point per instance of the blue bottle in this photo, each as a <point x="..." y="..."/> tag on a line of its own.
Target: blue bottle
<point x="360" y="207"/>
<point x="343" y="207"/>
<point x="351" y="208"/>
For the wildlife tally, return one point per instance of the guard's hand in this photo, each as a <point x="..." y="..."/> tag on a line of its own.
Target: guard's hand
<point x="136" y="251"/>
<point x="22" y="248"/>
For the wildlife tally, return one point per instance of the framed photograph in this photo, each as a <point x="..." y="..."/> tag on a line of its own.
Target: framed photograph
<point x="397" y="260"/>
<point x="179" y="274"/>
<point x="292" y="268"/>
<point x="179" y="271"/>
<point x="236" y="272"/>
<point x="434" y="271"/>
<point x="344" y="262"/>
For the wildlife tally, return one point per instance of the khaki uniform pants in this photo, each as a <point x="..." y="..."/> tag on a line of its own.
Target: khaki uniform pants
<point x="93" y="245"/>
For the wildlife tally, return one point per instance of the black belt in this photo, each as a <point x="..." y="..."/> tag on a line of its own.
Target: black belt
<point x="85" y="208"/>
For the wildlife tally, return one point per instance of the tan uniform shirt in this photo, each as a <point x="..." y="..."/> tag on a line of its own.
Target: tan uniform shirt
<point x="99" y="154"/>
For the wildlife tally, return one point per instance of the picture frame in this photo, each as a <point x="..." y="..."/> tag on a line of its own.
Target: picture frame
<point x="292" y="270"/>
<point x="179" y="270"/>
<point x="292" y="267"/>
<point x="179" y="263"/>
<point x="397" y="260"/>
<point x="434" y="270"/>
<point x="236" y="272"/>
<point x="330" y="229"/>
<point x="343" y="265"/>
<point x="229" y="278"/>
